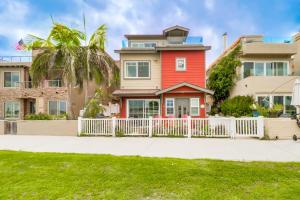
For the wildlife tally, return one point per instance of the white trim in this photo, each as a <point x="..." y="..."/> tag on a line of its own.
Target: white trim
<point x="166" y="106"/>
<point x="12" y="101"/>
<point x="58" y="106"/>
<point x="184" y="63"/>
<point x="127" y="106"/>
<point x="11" y="72"/>
<point x="136" y="67"/>
<point x="198" y="106"/>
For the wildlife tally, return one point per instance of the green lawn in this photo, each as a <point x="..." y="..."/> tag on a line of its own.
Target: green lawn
<point x="81" y="176"/>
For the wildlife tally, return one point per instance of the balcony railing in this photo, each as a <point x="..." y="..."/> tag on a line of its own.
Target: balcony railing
<point x="44" y="84"/>
<point x="267" y="39"/>
<point x="191" y="40"/>
<point x="15" y="59"/>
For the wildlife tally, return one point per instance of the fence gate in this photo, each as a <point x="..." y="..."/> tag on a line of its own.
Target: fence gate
<point x="10" y="127"/>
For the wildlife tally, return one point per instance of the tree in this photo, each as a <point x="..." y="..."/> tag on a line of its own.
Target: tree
<point x="222" y="76"/>
<point x="62" y="54"/>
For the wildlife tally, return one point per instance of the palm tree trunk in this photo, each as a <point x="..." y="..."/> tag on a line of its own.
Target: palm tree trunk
<point x="70" y="110"/>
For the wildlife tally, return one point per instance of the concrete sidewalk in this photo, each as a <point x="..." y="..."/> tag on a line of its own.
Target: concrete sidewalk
<point x="225" y="149"/>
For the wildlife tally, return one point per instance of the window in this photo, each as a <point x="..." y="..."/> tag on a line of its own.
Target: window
<point x="142" y="108"/>
<point x="277" y="99"/>
<point x="259" y="69"/>
<point x="195" y="106"/>
<point x="137" y="69"/>
<point x="170" y="107"/>
<point x="11" y="79"/>
<point x="11" y="109"/>
<point x="248" y="69"/>
<point x="57" y="107"/>
<point x="288" y="108"/>
<point x="277" y="68"/>
<point x="143" y="44"/>
<point x="263" y="101"/>
<point x="180" y="64"/>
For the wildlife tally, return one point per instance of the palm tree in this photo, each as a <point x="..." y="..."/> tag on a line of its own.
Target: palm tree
<point x="63" y="54"/>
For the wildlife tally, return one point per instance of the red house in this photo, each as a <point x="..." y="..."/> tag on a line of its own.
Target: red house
<point x="163" y="75"/>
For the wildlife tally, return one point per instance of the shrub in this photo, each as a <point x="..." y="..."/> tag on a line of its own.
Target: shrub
<point x="43" y="116"/>
<point x="237" y="106"/>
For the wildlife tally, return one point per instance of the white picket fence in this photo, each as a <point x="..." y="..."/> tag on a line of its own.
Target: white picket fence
<point x="173" y="127"/>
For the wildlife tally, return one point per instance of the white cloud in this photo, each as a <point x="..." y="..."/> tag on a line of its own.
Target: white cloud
<point x="209" y="4"/>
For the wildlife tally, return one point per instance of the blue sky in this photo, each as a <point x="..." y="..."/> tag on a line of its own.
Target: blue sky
<point x="207" y="18"/>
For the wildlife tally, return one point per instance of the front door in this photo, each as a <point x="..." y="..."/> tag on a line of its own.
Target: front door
<point x="182" y="107"/>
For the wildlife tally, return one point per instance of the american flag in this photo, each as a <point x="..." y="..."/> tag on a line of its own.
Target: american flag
<point x="20" y="45"/>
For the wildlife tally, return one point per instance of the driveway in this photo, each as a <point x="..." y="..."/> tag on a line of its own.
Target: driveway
<point x="225" y="149"/>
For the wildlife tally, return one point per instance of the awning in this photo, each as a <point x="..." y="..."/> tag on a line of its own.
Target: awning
<point x="296" y="93"/>
<point x="135" y="92"/>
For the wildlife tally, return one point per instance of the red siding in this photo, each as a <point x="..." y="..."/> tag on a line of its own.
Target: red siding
<point x="195" y="68"/>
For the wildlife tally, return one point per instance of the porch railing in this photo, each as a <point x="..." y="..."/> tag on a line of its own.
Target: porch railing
<point x="173" y="127"/>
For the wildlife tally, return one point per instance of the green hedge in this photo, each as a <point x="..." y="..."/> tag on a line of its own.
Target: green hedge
<point x="237" y="106"/>
<point x="43" y="116"/>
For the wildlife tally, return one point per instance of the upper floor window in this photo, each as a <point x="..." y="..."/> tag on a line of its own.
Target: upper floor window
<point x="180" y="64"/>
<point x="11" y="79"/>
<point x="265" y="69"/>
<point x="143" y="44"/>
<point x="137" y="69"/>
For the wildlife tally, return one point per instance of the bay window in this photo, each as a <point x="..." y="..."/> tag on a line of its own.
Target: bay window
<point x="170" y="106"/>
<point x="12" y="109"/>
<point x="137" y="69"/>
<point x="277" y="68"/>
<point x="248" y="69"/>
<point x="11" y="79"/>
<point x="259" y="69"/>
<point x="142" y="108"/>
<point x="194" y="106"/>
<point x="57" y="107"/>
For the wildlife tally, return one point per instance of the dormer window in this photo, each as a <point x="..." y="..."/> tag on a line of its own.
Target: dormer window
<point x="180" y="64"/>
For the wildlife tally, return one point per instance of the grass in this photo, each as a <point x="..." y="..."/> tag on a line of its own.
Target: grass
<point x="26" y="175"/>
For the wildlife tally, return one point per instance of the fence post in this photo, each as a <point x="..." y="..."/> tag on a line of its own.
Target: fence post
<point x="189" y="123"/>
<point x="232" y="127"/>
<point x="113" y="126"/>
<point x="260" y="127"/>
<point x="79" y="125"/>
<point x="150" y="126"/>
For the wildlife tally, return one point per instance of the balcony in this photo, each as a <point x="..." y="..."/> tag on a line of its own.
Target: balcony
<point x="15" y="60"/>
<point x="191" y="40"/>
<point x="44" y="84"/>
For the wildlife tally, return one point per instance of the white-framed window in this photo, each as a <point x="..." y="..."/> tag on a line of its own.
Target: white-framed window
<point x="170" y="106"/>
<point x="57" y="107"/>
<point x="265" y="68"/>
<point x="180" y="64"/>
<point x="137" y="69"/>
<point x="143" y="108"/>
<point x="12" y="109"/>
<point x="268" y="101"/>
<point x="11" y="79"/>
<point x="195" y="106"/>
<point x="135" y="44"/>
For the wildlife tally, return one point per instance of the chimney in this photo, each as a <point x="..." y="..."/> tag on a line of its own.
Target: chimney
<point x="225" y="40"/>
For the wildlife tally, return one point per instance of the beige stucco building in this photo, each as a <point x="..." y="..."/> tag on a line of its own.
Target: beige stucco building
<point x="18" y="97"/>
<point x="269" y="69"/>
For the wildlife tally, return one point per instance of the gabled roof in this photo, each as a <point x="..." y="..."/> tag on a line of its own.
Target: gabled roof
<point x="174" y="28"/>
<point x="185" y="84"/>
